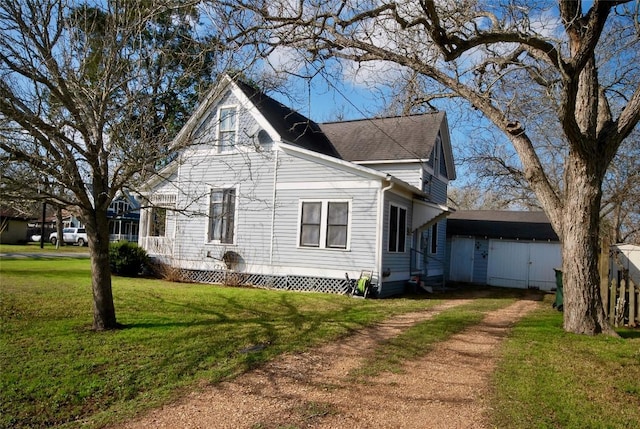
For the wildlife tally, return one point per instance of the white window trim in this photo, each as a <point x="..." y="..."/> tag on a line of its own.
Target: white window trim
<point x="406" y="220"/>
<point x="218" y="131"/>
<point x="235" y="216"/>
<point x="324" y="218"/>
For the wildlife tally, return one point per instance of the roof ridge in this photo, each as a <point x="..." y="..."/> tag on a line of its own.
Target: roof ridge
<point x="379" y="118"/>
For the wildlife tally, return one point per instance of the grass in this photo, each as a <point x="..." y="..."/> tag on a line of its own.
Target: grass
<point x="33" y="248"/>
<point x="57" y="372"/>
<point x="552" y="379"/>
<point x="420" y="338"/>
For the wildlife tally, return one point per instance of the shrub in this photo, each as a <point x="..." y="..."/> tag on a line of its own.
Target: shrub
<point x="127" y="259"/>
<point x="167" y="272"/>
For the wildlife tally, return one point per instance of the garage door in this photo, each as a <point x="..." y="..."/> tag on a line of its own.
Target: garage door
<point x="523" y="264"/>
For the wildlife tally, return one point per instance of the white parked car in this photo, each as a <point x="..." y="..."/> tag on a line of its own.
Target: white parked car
<point x="71" y="236"/>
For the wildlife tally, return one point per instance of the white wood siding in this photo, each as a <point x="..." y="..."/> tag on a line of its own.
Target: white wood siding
<point x="397" y="263"/>
<point x="407" y="172"/>
<point x="300" y="179"/>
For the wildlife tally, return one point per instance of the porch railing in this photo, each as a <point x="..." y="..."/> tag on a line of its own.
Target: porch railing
<point x="421" y="263"/>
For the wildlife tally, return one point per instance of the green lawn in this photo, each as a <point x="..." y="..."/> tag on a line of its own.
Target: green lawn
<point x="551" y="379"/>
<point x="56" y="372"/>
<point x="34" y="249"/>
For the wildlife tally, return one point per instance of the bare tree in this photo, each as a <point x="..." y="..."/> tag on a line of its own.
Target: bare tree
<point x="621" y="201"/>
<point x="511" y="61"/>
<point x="79" y="104"/>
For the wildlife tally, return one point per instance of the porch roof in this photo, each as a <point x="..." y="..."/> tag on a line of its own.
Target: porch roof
<point x="426" y="214"/>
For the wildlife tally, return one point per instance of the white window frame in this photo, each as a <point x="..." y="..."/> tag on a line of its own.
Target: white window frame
<point x="400" y="232"/>
<point x="324" y="225"/>
<point x="221" y="146"/>
<point x="209" y="232"/>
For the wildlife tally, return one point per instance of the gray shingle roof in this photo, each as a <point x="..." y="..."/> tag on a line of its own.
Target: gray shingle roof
<point x="501" y="224"/>
<point x="292" y="126"/>
<point x="406" y="137"/>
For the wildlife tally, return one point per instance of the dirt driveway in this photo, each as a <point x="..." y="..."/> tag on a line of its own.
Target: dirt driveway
<point x="444" y="389"/>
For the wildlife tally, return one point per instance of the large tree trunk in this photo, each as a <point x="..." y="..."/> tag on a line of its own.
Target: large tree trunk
<point x="104" y="314"/>
<point x="583" y="309"/>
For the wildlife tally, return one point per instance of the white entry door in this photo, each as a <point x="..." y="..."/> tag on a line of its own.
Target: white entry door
<point x="461" y="264"/>
<point x="523" y="264"/>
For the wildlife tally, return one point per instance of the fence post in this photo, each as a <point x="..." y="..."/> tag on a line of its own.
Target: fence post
<point x="633" y="288"/>
<point x="613" y="286"/>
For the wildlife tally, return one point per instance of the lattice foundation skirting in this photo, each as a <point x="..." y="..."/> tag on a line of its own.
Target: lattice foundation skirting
<point x="285" y="282"/>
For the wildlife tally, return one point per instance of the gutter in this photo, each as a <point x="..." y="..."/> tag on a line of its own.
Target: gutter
<point x="380" y="228"/>
<point x="273" y="208"/>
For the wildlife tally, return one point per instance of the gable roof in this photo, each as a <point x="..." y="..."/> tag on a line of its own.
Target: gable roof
<point x="391" y="139"/>
<point x="379" y="139"/>
<point x="501" y="224"/>
<point x="292" y="126"/>
<point x="358" y="141"/>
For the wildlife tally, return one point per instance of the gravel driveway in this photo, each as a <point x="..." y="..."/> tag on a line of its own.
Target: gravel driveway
<point x="446" y="388"/>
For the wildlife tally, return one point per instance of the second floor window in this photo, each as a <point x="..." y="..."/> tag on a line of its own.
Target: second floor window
<point x="227" y="129"/>
<point x="222" y="211"/>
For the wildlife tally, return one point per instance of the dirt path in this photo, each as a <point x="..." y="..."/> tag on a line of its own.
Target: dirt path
<point x="444" y="389"/>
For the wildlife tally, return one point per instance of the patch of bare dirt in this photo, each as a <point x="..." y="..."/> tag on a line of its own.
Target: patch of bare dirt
<point x="444" y="389"/>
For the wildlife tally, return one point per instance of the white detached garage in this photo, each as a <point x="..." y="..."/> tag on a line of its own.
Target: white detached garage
<point x="502" y="248"/>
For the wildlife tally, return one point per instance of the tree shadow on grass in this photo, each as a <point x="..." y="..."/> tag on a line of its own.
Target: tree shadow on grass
<point x="629" y="334"/>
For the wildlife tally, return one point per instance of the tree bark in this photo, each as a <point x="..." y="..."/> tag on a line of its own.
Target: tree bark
<point x="104" y="314"/>
<point x="583" y="309"/>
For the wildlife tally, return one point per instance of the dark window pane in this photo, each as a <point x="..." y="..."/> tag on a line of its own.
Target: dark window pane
<point x="310" y="224"/>
<point x="393" y="229"/>
<point x="402" y="229"/>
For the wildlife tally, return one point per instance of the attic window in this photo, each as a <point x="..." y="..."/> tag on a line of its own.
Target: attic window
<point x="227" y="128"/>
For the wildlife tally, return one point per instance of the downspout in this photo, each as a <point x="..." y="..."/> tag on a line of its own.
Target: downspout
<point x="175" y="213"/>
<point x="380" y="228"/>
<point x="273" y="207"/>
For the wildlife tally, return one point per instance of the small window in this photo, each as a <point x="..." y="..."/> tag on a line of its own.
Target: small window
<point x="222" y="215"/>
<point x="227" y="128"/>
<point x="324" y="224"/>
<point x="397" y="229"/>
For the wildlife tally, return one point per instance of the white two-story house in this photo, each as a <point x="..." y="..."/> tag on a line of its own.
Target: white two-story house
<point x="270" y="198"/>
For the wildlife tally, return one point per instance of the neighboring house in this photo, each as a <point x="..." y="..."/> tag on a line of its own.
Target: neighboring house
<point x="284" y="202"/>
<point x="503" y="248"/>
<point x="124" y="217"/>
<point x="13" y="226"/>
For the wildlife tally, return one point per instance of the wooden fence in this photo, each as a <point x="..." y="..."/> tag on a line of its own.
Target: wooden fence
<point x="621" y="300"/>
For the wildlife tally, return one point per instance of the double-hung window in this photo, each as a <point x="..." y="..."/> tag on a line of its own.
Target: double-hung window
<point x="324" y="224"/>
<point x="227" y="128"/>
<point x="222" y="211"/>
<point x="397" y="228"/>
